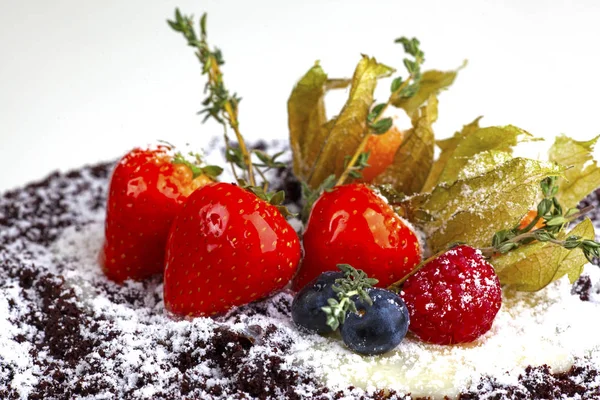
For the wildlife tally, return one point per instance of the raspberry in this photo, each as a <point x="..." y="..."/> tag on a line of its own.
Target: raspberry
<point x="453" y="298"/>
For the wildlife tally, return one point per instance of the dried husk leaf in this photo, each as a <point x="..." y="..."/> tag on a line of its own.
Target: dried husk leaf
<point x="414" y="158"/>
<point x="532" y="267"/>
<point x="498" y="138"/>
<point x="472" y="210"/>
<point x="432" y="82"/>
<point x="483" y="162"/>
<point x="307" y="119"/>
<point x="583" y="175"/>
<point x="348" y="129"/>
<point x="447" y="146"/>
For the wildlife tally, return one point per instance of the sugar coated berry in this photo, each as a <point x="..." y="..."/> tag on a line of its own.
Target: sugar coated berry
<point x="307" y="304"/>
<point x="376" y="328"/>
<point x="453" y="298"/>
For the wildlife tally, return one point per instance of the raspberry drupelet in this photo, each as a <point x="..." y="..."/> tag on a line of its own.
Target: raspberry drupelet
<point x="453" y="298"/>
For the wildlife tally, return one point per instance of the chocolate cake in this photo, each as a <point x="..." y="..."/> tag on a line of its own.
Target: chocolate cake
<point x="69" y="333"/>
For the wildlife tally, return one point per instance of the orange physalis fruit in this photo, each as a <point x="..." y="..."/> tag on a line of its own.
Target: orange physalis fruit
<point x="530" y="216"/>
<point x="382" y="149"/>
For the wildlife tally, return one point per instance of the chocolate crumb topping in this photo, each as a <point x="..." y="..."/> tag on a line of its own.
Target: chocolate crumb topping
<point x="582" y="287"/>
<point x="75" y="335"/>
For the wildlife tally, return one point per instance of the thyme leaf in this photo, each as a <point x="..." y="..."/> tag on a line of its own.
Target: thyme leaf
<point x="355" y="283"/>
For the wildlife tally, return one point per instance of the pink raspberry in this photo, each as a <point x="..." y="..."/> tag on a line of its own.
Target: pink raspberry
<point x="453" y="298"/>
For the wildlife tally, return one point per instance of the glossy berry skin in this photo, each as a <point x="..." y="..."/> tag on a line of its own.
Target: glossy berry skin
<point x="352" y="225"/>
<point x="146" y="192"/>
<point x="377" y="328"/>
<point x="306" y="307"/>
<point x="454" y="298"/>
<point x="226" y="248"/>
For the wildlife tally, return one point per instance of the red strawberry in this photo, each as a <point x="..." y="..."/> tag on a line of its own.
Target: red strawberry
<point x="352" y="225"/>
<point x="146" y="191"/>
<point x="453" y="298"/>
<point x="226" y="248"/>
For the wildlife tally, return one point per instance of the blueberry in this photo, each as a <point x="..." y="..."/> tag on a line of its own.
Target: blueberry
<point x="306" y="307"/>
<point x="378" y="328"/>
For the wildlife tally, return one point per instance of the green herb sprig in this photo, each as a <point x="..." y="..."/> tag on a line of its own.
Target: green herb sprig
<point x="222" y="106"/>
<point x="219" y="103"/>
<point x="354" y="283"/>
<point x="354" y="171"/>
<point x="399" y="88"/>
<point x="555" y="219"/>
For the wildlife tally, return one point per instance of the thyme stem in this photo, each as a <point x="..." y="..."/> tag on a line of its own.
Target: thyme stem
<point x="228" y="146"/>
<point x="359" y="150"/>
<point x="215" y="76"/>
<point x="488" y="252"/>
<point x="265" y="186"/>
<point x="219" y="104"/>
<point x="232" y="118"/>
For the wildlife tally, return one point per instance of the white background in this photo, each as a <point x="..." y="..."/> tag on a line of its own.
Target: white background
<point x="83" y="81"/>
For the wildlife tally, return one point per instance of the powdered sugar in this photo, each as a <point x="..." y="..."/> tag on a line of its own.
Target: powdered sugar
<point x="68" y="324"/>
<point x="548" y="327"/>
<point x="11" y="351"/>
<point x="117" y="341"/>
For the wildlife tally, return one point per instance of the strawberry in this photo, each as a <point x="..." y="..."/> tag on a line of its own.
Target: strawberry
<point x="147" y="190"/>
<point x="352" y="225"/>
<point x="226" y="248"/>
<point x="382" y="149"/>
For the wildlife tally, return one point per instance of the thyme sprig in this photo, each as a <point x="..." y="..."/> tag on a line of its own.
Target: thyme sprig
<point x="222" y="106"/>
<point x="399" y="88"/>
<point x="376" y="124"/>
<point x="219" y="103"/>
<point x="354" y="171"/>
<point x="550" y="211"/>
<point x="354" y="283"/>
